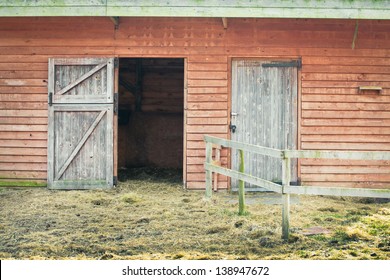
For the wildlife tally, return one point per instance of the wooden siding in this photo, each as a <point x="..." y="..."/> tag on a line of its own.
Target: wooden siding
<point x="362" y="9"/>
<point x="333" y="116"/>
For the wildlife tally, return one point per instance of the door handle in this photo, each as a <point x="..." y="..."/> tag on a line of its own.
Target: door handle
<point x="232" y="128"/>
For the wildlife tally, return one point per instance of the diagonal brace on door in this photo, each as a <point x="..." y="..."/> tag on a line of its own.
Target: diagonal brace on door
<point x="80" y="145"/>
<point x="82" y="78"/>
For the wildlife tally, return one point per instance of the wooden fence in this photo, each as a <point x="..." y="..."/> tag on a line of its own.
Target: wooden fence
<point x="285" y="189"/>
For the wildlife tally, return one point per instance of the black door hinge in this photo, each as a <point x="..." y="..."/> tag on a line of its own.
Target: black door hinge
<point x="50" y="101"/>
<point x="115" y="180"/>
<point x="116" y="101"/>
<point x="293" y="63"/>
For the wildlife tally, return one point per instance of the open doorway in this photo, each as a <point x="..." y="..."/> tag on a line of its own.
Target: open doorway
<point x="151" y="115"/>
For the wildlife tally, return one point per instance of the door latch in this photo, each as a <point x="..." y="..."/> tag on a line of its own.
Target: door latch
<point x="232" y="128"/>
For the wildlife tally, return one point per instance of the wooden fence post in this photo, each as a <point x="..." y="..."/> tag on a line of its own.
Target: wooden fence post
<point x="209" y="175"/>
<point x="241" y="187"/>
<point x="286" y="177"/>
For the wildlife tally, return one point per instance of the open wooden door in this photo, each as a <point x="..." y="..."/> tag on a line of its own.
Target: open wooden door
<point x="80" y="131"/>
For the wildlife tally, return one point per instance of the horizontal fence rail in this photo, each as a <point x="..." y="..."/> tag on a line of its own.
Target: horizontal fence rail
<point x="286" y="189"/>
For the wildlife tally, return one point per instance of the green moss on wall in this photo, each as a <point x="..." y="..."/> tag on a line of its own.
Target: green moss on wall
<point x="22" y="184"/>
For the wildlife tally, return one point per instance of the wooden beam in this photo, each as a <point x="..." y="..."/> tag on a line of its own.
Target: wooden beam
<point x="337" y="191"/>
<point x="246" y="147"/>
<point x="225" y="23"/>
<point x="209" y="167"/>
<point x="356" y="9"/>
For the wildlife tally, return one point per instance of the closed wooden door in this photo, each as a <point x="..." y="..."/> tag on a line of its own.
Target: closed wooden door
<point x="264" y="113"/>
<point x="80" y="131"/>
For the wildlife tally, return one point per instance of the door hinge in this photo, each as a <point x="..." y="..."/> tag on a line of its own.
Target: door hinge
<point x="116" y="62"/>
<point x="50" y="101"/>
<point x="116" y="101"/>
<point x="115" y="180"/>
<point x="293" y="63"/>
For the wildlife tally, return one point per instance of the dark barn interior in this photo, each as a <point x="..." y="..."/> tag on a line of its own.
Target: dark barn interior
<point x="150" y="123"/>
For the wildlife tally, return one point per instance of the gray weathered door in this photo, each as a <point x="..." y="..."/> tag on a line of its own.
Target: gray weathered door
<point x="80" y="130"/>
<point x="264" y="111"/>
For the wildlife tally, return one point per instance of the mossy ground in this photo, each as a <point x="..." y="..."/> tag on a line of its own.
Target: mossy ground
<point x="150" y="216"/>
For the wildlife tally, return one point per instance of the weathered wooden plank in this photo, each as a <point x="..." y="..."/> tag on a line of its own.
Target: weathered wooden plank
<point x="208" y="90"/>
<point x="341" y="84"/>
<point x="338" y="106"/>
<point x="24" y="113"/>
<point x="334" y="130"/>
<point x="207" y="83"/>
<point x="346" y="146"/>
<point x="346" y="169"/>
<point x="23" y="105"/>
<point x="198" y="168"/>
<point x="14" y="135"/>
<point x="207" y="105"/>
<point x="338" y="155"/>
<point x="201" y="153"/>
<point x="346" y="122"/>
<point x="315" y="114"/>
<point x="319" y="90"/>
<point x="210" y="75"/>
<point x="366" y="185"/>
<point x="346" y="98"/>
<point x="342" y="162"/>
<point x="200" y="161"/>
<point x="201" y="185"/>
<point x="22" y="166"/>
<point x="22" y="151"/>
<point x="22" y="127"/>
<point x="243" y="146"/>
<point x="207" y="58"/>
<point x="24" y="90"/>
<point x="330" y="60"/>
<point x="207" y="114"/>
<point x="207" y="66"/>
<point x="22" y="82"/>
<point x="348" y="69"/>
<point x="347" y="77"/>
<point x="23" y="174"/>
<point x="244" y="177"/>
<point x="23" y="143"/>
<point x="354" y="192"/>
<point x="346" y="138"/>
<point x="207" y="129"/>
<point x="22" y="159"/>
<point x="200" y="137"/>
<point x="10" y="120"/>
<point x="206" y="97"/>
<point x="204" y="121"/>
<point x="14" y="97"/>
<point x="23" y="74"/>
<point x="20" y="66"/>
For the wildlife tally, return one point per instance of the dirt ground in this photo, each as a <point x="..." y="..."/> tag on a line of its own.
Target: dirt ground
<point x="150" y="216"/>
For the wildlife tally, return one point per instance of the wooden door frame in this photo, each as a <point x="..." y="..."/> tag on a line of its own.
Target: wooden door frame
<point x="299" y="100"/>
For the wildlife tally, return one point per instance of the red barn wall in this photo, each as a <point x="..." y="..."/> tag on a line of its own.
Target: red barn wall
<point x="333" y="115"/>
